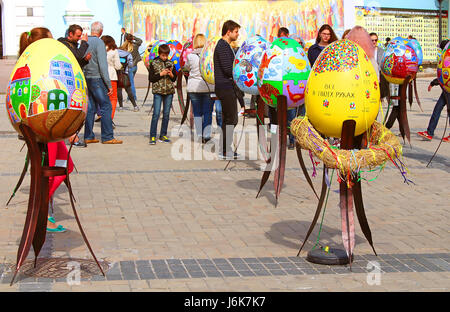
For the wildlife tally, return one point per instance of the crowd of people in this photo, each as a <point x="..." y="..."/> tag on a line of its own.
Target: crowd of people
<point x="109" y="69"/>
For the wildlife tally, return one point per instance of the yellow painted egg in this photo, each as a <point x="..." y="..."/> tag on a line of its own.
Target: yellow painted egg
<point x="47" y="91"/>
<point x="207" y="60"/>
<point x="342" y="85"/>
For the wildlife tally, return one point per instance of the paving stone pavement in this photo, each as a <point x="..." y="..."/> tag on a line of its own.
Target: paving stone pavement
<point x="188" y="225"/>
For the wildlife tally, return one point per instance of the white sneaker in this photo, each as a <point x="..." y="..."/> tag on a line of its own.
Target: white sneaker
<point x="241" y="113"/>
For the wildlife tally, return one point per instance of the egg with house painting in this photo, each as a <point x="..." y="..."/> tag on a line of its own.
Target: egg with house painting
<point x="246" y="64"/>
<point x="343" y="85"/>
<point x="284" y="70"/>
<point x="47" y="91"/>
<point x="207" y="60"/>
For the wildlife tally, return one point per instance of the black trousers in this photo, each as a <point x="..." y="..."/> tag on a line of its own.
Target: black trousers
<point x="228" y="99"/>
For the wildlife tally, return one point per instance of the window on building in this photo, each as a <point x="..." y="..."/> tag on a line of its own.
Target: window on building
<point x="29" y="11"/>
<point x="56" y="72"/>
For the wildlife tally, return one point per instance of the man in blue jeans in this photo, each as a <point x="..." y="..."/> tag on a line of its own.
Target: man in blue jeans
<point x="99" y="88"/>
<point x="432" y="124"/>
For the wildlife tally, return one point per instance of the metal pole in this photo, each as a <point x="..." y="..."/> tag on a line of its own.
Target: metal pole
<point x="440" y="21"/>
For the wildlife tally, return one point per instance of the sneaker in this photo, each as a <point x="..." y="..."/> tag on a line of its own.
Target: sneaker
<point x="152" y="141"/>
<point x="89" y="141"/>
<point x="164" y="139"/>
<point x="291" y="146"/>
<point x="98" y="119"/>
<point x="205" y="140"/>
<point x="229" y="157"/>
<point x="241" y="113"/>
<point x="80" y="144"/>
<point x="135" y="109"/>
<point x="446" y="139"/>
<point x="113" y="141"/>
<point x="424" y="134"/>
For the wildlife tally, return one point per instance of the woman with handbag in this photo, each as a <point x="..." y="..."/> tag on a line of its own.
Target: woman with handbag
<point x="199" y="91"/>
<point x="114" y="64"/>
<point x="123" y="79"/>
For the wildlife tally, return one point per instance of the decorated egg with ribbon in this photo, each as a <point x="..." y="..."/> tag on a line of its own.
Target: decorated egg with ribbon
<point x="246" y="64"/>
<point x="47" y="91"/>
<point x="284" y="70"/>
<point x="443" y="70"/>
<point x="343" y="85"/>
<point x="175" y="53"/>
<point x="207" y="60"/>
<point x="188" y="47"/>
<point x="399" y="61"/>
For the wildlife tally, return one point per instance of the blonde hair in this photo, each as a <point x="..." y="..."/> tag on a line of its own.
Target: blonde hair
<point x="199" y="41"/>
<point x="127" y="46"/>
<point x="234" y="44"/>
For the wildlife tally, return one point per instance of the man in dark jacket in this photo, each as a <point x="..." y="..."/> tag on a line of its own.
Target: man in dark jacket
<point x="74" y="34"/>
<point x="224" y="85"/>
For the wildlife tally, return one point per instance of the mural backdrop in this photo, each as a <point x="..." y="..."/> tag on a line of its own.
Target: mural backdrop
<point x="179" y="20"/>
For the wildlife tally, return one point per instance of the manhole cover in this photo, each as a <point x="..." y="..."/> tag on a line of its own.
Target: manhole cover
<point x="61" y="267"/>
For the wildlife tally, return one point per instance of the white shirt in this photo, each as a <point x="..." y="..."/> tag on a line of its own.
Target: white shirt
<point x="112" y="56"/>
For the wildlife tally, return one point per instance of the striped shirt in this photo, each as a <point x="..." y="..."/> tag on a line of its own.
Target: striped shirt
<point x="223" y="65"/>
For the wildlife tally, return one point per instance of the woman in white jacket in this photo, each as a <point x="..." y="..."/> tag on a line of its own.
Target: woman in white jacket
<point x="114" y="64"/>
<point x="199" y="91"/>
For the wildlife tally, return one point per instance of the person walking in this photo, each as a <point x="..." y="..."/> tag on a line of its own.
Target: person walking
<point x="224" y="86"/>
<point x="440" y="104"/>
<point x="126" y="59"/>
<point x="113" y="59"/>
<point x="162" y="74"/>
<point x="132" y="45"/>
<point x="199" y="91"/>
<point x="99" y="88"/>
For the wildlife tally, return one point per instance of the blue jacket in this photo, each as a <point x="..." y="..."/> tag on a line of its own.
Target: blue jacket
<point x="98" y="64"/>
<point x="128" y="57"/>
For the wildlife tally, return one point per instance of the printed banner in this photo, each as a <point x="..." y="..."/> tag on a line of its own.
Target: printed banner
<point x="180" y="20"/>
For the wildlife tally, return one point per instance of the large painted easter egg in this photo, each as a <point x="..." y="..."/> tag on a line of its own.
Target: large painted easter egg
<point x="284" y="70"/>
<point x="399" y="61"/>
<point x="175" y="53"/>
<point x="207" y="60"/>
<point x="152" y="52"/>
<point x="47" y="91"/>
<point x="413" y="43"/>
<point x="343" y="85"/>
<point x="246" y="64"/>
<point x="443" y="70"/>
<point x="188" y="47"/>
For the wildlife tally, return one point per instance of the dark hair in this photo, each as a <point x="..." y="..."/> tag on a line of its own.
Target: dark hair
<point x="73" y="28"/>
<point x="388" y="39"/>
<point x="109" y="42"/>
<point x="373" y="34"/>
<point x="333" y="36"/>
<point x="283" y="31"/>
<point x="229" y="26"/>
<point x="163" y="49"/>
<point x="129" y="37"/>
<point x="27" y="38"/>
